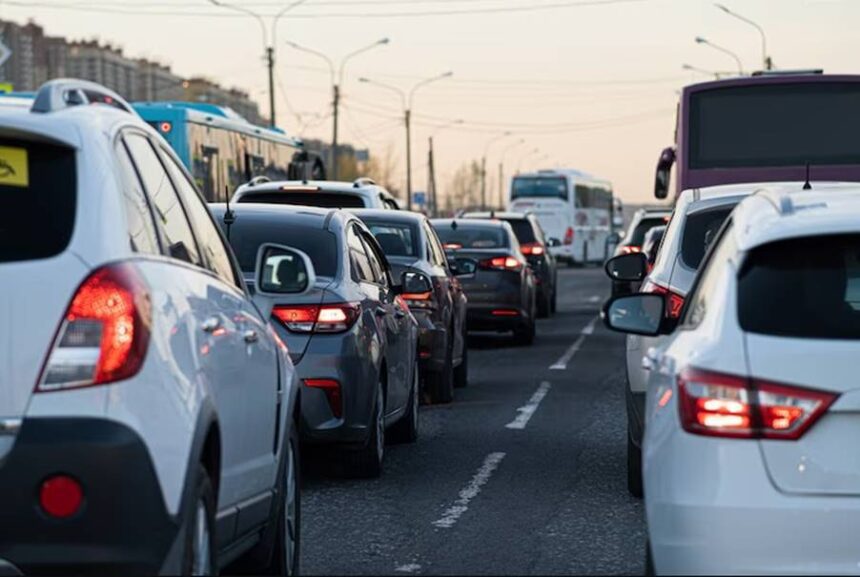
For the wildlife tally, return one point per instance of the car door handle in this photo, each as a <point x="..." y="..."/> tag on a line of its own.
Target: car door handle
<point x="211" y="324"/>
<point x="250" y="336"/>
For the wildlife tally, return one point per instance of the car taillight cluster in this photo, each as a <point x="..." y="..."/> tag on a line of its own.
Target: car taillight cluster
<point x="501" y="263"/>
<point x="630" y="249"/>
<point x="568" y="236"/>
<point x="332" y="391"/>
<point x="419" y="300"/>
<point x="720" y="405"/>
<point x="105" y="333"/>
<point x="328" y="318"/>
<point x="532" y="249"/>
<point x="674" y="301"/>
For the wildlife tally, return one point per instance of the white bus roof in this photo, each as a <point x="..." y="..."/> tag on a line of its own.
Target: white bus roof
<point x="569" y="172"/>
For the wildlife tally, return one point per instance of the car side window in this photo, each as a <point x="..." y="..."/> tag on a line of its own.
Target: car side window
<point x="538" y="231"/>
<point x="165" y="203"/>
<point x="436" y="253"/>
<point x="359" y="262"/>
<point x="142" y="234"/>
<point x="376" y="262"/>
<point x="705" y="289"/>
<point x="211" y="242"/>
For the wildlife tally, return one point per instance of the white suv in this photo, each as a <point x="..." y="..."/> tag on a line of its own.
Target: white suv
<point x="361" y="193"/>
<point x="753" y="404"/>
<point x="147" y="409"/>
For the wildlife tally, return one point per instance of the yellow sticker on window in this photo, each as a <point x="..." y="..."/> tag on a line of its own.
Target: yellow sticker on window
<point x="13" y="166"/>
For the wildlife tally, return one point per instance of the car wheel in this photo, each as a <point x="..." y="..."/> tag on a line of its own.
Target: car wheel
<point x="634" y="468"/>
<point x="441" y="383"/>
<point x="366" y="463"/>
<point x="406" y="429"/>
<point x="553" y="303"/>
<point x="544" y="306"/>
<point x="200" y="545"/>
<point x="461" y="373"/>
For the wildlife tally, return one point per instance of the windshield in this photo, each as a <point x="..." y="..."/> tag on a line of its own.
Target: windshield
<point x="395" y="239"/>
<point x="775" y="125"/>
<point x="321" y="200"/>
<point x="523" y="230"/>
<point x="465" y="236"/>
<point x="532" y="186"/>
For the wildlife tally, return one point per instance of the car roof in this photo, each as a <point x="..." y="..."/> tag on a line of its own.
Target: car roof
<point x="498" y="215"/>
<point x="318" y="186"/>
<point x="306" y="216"/>
<point x="778" y="212"/>
<point x="470" y="222"/>
<point x="403" y="216"/>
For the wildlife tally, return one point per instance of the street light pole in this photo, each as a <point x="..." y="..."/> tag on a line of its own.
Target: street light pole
<point x="705" y="41"/>
<point x="484" y="166"/>
<point x="766" y="61"/>
<point x="713" y="73"/>
<point x="433" y="206"/>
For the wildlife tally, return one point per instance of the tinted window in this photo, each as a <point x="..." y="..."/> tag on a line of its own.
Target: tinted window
<point x="376" y="262"/>
<point x="531" y="186"/>
<point x="319" y="199"/>
<point x="395" y="239"/>
<point x="806" y="287"/>
<point x="707" y="288"/>
<point x="465" y="236"/>
<point x="523" y="230"/>
<point x="360" y="264"/>
<point x="775" y="125"/>
<point x="166" y="206"/>
<point x="637" y="235"/>
<point x="435" y="252"/>
<point x="38" y="185"/>
<point x="142" y="235"/>
<point x="699" y="231"/>
<point x="207" y="235"/>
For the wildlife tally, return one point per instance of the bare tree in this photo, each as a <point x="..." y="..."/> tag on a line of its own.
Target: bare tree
<point x="464" y="188"/>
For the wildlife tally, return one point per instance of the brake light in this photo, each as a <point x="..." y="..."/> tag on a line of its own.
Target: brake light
<point x="105" y="333"/>
<point x="332" y="391"/>
<point x="533" y="249"/>
<point x="329" y="318"/>
<point x="568" y="236"/>
<point x="674" y="301"/>
<point x="629" y="249"/>
<point x="419" y="300"/>
<point x="501" y="263"/>
<point x="721" y="405"/>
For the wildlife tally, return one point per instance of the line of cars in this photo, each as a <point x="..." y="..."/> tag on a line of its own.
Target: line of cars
<point x="178" y="356"/>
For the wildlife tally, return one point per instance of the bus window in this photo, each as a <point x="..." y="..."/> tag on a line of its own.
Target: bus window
<point x="536" y="186"/>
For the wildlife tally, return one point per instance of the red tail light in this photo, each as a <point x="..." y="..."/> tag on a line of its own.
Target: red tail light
<point x="674" y="301"/>
<point x="332" y="391"/>
<point x="329" y="318"/>
<point x="532" y="248"/>
<point x="105" y="334"/>
<point x="419" y="300"/>
<point x="568" y="236"/>
<point x="721" y="405"/>
<point x="501" y="263"/>
<point x="629" y="249"/>
<point x="61" y="496"/>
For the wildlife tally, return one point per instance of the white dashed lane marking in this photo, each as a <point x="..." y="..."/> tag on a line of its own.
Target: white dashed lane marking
<point x="527" y="410"/>
<point x="561" y="364"/>
<point x="469" y="492"/>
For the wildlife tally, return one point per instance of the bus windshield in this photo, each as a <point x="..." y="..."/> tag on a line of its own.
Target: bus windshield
<point x="538" y="186"/>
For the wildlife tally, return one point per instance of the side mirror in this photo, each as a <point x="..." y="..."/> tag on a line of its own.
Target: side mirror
<point x="552" y="242"/>
<point x="631" y="267"/>
<point x="664" y="169"/>
<point x="638" y="314"/>
<point x="414" y="283"/>
<point x="281" y="271"/>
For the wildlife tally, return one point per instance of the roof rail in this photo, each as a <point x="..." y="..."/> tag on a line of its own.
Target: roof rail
<point x="67" y="92"/>
<point x="797" y="72"/>
<point x="259" y="180"/>
<point x="362" y="181"/>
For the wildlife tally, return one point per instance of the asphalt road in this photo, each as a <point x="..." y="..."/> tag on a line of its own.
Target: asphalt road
<point x="523" y="474"/>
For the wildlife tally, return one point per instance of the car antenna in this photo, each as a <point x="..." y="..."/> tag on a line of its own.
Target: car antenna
<point x="807" y="185"/>
<point x="229" y="217"/>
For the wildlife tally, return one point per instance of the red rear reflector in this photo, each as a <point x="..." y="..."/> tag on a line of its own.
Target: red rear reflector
<point x="332" y="391"/>
<point x="165" y="127"/>
<point x="61" y="496"/>
<point x="505" y="313"/>
<point x="568" y="236"/>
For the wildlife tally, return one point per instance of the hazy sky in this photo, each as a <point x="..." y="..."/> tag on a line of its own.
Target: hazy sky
<point x="591" y="86"/>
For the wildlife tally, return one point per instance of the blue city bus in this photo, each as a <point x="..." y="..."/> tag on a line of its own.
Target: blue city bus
<point x="222" y="150"/>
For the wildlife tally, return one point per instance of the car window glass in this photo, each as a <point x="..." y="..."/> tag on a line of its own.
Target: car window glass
<point x="699" y="231"/>
<point x="435" y="252"/>
<point x="210" y="241"/>
<point x="165" y="203"/>
<point x="706" y="289"/>
<point x="142" y="234"/>
<point x="376" y="262"/>
<point x="359" y="262"/>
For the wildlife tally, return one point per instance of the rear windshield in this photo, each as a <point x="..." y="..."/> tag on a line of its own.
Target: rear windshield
<point x="246" y="236"/>
<point x="38" y="189"/>
<point x="320" y="199"/>
<point x="531" y="186"/>
<point x="807" y="287"/>
<point x="699" y="231"/>
<point x="637" y="236"/>
<point x="523" y="230"/>
<point x="465" y="236"/>
<point x="395" y="239"/>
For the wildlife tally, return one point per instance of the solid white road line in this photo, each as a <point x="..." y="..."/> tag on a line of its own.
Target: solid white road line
<point x="527" y="410"/>
<point x="472" y="490"/>
<point x="561" y="364"/>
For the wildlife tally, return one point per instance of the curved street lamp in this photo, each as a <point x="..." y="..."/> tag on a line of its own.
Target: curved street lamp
<point x="766" y="61"/>
<point x="706" y="42"/>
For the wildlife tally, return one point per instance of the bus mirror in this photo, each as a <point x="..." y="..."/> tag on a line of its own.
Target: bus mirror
<point x="664" y="170"/>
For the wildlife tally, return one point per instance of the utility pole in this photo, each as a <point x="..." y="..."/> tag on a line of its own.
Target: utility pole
<point x="335" y="112"/>
<point x="501" y="187"/>
<point x="270" y="58"/>
<point x="408" y="159"/>
<point x="432" y="207"/>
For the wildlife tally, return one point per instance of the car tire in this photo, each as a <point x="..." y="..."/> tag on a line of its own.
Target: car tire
<point x="200" y="545"/>
<point x="553" y="303"/>
<point x="461" y="373"/>
<point x="634" y="468"/>
<point x="406" y="429"/>
<point x="524" y="335"/>
<point x="544" y="306"/>
<point x="441" y="383"/>
<point x="366" y="463"/>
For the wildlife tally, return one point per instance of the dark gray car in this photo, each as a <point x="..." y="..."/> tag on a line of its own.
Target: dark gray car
<point x="434" y="295"/>
<point x="352" y="338"/>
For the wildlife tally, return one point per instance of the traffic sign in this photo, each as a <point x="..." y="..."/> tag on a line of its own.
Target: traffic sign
<point x="419" y="198"/>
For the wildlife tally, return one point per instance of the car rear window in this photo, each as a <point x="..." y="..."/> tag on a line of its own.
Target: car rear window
<point x="320" y="199"/>
<point x="523" y="230"/>
<point x="805" y="287"/>
<point x="38" y="195"/>
<point x="396" y="239"/>
<point x="465" y="236"/>
<point x="247" y="234"/>
<point x="700" y="229"/>
<point x="637" y="237"/>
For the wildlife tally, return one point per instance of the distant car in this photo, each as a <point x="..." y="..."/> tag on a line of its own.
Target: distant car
<point x="748" y="457"/>
<point x="148" y="412"/>
<point x="433" y="293"/>
<point x="643" y="221"/>
<point x="351" y="337"/>
<point x="497" y="280"/>
<point x="651" y="244"/>
<point x="362" y="193"/>
<point x="535" y="247"/>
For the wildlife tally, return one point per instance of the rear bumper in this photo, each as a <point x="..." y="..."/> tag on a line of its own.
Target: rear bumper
<point x="122" y="527"/>
<point x="482" y="317"/>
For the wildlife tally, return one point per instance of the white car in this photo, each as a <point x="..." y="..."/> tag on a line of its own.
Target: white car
<point x="147" y="409"/>
<point x="753" y="404"/>
<point x="361" y="193"/>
